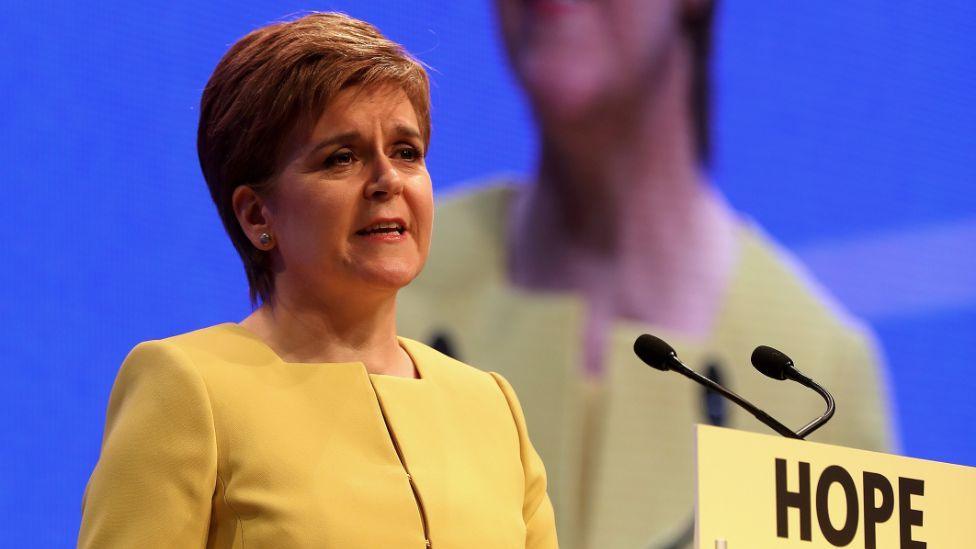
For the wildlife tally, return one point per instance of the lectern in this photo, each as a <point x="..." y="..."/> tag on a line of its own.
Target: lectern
<point x="766" y="492"/>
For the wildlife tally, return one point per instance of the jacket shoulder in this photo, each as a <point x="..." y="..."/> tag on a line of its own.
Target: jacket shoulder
<point x="448" y="370"/>
<point x="220" y="345"/>
<point x="771" y="281"/>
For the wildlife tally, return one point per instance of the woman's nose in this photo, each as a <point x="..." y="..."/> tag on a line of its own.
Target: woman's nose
<point x="386" y="182"/>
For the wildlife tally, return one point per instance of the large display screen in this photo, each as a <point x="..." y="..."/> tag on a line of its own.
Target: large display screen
<point x="846" y="130"/>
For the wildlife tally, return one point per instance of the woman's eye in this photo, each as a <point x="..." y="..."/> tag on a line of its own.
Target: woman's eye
<point x="409" y="154"/>
<point x="341" y="158"/>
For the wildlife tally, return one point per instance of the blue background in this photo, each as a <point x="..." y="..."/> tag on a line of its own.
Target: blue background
<point x="848" y="130"/>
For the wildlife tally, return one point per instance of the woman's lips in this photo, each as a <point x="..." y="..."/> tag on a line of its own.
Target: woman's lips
<point x="383" y="236"/>
<point x="384" y="229"/>
<point x="384" y="232"/>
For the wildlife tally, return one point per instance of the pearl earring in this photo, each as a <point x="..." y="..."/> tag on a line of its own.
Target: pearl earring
<point x="264" y="239"/>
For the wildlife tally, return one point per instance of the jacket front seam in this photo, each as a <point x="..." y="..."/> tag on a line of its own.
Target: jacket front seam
<point x="418" y="500"/>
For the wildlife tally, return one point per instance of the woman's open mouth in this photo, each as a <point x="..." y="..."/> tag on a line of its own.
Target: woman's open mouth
<point x="387" y="230"/>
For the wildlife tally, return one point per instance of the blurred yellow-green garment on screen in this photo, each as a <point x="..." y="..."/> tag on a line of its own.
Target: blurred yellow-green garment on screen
<point x="619" y="452"/>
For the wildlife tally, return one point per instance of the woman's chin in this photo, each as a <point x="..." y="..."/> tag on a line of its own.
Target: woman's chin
<point x="390" y="275"/>
<point x="562" y="89"/>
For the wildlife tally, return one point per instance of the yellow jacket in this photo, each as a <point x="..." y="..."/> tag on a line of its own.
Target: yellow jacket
<point x="212" y="440"/>
<point x="620" y="454"/>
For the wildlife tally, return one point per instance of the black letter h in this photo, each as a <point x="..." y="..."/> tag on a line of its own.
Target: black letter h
<point x="799" y="499"/>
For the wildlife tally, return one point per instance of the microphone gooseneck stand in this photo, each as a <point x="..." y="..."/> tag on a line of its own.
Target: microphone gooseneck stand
<point x="714" y="408"/>
<point x="656" y="353"/>
<point x="777" y="365"/>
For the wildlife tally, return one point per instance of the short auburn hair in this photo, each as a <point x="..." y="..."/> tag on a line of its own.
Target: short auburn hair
<point x="276" y="82"/>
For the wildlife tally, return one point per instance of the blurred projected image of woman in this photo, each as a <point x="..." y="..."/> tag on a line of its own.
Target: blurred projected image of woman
<point x="620" y="232"/>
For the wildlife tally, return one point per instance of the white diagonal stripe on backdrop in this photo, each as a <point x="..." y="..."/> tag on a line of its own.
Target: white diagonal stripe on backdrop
<point x="900" y="273"/>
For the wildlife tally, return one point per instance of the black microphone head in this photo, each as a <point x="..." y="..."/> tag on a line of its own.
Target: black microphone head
<point x="654" y="351"/>
<point x="772" y="363"/>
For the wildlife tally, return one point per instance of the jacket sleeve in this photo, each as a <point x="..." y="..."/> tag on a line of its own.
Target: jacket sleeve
<point x="540" y="521"/>
<point x="155" y="479"/>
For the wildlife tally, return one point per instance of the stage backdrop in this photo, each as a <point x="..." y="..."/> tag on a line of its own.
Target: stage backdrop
<point x="847" y="130"/>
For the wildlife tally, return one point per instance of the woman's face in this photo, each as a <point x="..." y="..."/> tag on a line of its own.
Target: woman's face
<point x="352" y="208"/>
<point x="574" y="56"/>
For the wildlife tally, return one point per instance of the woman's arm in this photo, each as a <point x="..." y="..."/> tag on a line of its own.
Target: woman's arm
<point x="540" y="522"/>
<point x="155" y="479"/>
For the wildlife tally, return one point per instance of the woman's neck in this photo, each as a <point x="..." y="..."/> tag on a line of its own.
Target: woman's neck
<point x="622" y="214"/>
<point x="332" y="329"/>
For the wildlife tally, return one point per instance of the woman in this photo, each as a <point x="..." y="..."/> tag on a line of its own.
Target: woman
<point x="310" y="423"/>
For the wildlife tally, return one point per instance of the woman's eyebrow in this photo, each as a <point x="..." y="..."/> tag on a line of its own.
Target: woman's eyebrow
<point x="346" y="137"/>
<point x="400" y="129"/>
<point x="405" y="130"/>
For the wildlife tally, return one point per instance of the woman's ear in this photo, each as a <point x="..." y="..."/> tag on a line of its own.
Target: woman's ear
<point x="253" y="216"/>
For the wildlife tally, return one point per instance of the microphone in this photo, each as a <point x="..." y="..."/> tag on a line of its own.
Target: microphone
<point x="658" y="354"/>
<point x="777" y="365"/>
